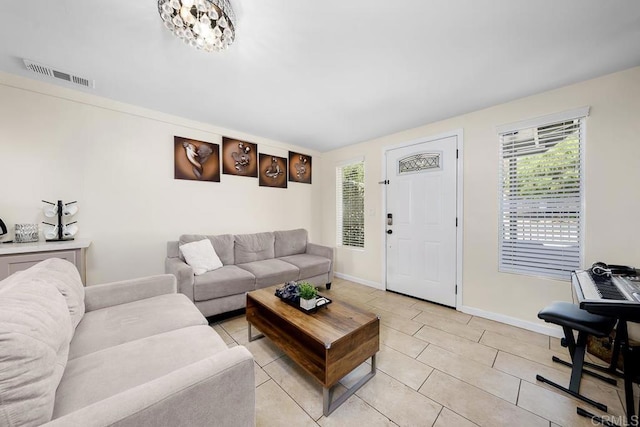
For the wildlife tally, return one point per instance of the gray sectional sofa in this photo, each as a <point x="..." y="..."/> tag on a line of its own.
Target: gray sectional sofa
<point x="130" y="353"/>
<point x="250" y="261"/>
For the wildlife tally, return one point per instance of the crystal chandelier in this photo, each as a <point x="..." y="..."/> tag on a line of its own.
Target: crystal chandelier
<point x="204" y="24"/>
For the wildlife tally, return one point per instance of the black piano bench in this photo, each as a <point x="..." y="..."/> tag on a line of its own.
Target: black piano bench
<point x="571" y="318"/>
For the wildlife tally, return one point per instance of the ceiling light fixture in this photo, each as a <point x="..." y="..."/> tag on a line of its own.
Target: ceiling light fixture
<point x="204" y="24"/>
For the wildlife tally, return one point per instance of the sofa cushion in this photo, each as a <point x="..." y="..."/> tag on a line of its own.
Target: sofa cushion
<point x="254" y="247"/>
<point x="35" y="329"/>
<point x="309" y="265"/>
<point x="225" y="281"/>
<point x="101" y="374"/>
<point x="271" y="272"/>
<point x="123" y="323"/>
<point x="200" y="256"/>
<point x="223" y="245"/>
<point x="65" y="277"/>
<point x="290" y="242"/>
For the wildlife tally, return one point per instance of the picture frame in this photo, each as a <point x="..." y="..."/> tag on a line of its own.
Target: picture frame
<point x="239" y="157"/>
<point x="196" y="160"/>
<point x="299" y="167"/>
<point x="272" y="171"/>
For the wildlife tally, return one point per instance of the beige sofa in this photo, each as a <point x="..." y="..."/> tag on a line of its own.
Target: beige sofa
<point x="130" y="353"/>
<point x="250" y="261"/>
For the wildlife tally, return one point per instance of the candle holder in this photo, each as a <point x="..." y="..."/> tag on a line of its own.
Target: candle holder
<point x="26" y="233"/>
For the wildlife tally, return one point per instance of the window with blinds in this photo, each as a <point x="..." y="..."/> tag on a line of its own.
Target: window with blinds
<point x="350" y="204"/>
<point x="541" y="196"/>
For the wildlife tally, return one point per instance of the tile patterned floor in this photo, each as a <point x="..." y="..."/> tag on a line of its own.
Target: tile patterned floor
<point x="436" y="367"/>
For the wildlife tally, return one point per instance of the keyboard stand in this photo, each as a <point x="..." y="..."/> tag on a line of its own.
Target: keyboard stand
<point x="621" y="343"/>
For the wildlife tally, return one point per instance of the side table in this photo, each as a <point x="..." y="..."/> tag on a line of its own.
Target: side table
<point x="20" y="256"/>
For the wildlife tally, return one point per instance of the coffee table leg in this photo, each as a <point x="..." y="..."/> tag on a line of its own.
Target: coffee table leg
<point x="327" y="392"/>
<point x="251" y="338"/>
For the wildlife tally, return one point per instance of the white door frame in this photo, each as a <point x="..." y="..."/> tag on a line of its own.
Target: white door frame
<point x="458" y="133"/>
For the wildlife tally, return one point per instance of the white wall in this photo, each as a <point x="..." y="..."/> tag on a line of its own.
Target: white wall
<point x="612" y="186"/>
<point x="117" y="161"/>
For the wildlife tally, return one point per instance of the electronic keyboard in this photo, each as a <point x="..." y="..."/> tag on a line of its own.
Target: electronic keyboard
<point x="608" y="295"/>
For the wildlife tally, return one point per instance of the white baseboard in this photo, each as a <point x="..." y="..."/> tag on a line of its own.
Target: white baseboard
<point x="554" y="331"/>
<point x="359" y="280"/>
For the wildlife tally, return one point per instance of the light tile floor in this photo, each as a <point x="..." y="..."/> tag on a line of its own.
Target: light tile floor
<point x="436" y="367"/>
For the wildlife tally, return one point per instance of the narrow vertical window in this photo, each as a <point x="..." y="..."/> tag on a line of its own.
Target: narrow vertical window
<point x="350" y="204"/>
<point x="541" y="197"/>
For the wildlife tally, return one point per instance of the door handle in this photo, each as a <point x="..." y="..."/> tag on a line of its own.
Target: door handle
<point x="389" y="231"/>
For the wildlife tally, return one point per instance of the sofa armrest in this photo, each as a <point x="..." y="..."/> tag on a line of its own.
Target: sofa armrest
<point x="183" y="273"/>
<point x="323" y="251"/>
<point x="115" y="293"/>
<point x="320" y="250"/>
<point x="218" y="390"/>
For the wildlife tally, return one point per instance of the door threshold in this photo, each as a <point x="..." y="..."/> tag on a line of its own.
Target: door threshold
<point x="421" y="299"/>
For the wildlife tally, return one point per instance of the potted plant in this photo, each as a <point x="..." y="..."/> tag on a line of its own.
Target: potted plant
<point x="308" y="295"/>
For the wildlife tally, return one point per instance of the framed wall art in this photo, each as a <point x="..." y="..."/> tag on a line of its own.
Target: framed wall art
<point x="196" y="160"/>
<point x="239" y="157"/>
<point x="299" y="167"/>
<point x="273" y="171"/>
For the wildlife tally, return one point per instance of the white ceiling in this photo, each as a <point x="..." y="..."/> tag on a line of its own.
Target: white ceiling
<point x="324" y="74"/>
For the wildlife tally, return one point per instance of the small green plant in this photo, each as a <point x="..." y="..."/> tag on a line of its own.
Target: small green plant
<point x="307" y="290"/>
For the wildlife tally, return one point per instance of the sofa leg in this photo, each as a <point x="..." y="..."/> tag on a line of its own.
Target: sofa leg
<point x="328" y="285"/>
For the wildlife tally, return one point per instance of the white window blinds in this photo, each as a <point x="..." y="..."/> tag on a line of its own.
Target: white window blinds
<point x="541" y="198"/>
<point x="350" y="204"/>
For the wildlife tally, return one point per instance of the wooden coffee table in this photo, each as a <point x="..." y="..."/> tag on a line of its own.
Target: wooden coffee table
<point x="327" y="344"/>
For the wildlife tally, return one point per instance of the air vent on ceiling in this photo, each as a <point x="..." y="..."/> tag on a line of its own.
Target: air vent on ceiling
<point x="46" y="70"/>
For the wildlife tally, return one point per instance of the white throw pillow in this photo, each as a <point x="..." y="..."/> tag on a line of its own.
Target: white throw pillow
<point x="201" y="256"/>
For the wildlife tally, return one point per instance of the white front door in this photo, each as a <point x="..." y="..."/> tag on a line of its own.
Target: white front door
<point x="421" y="220"/>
